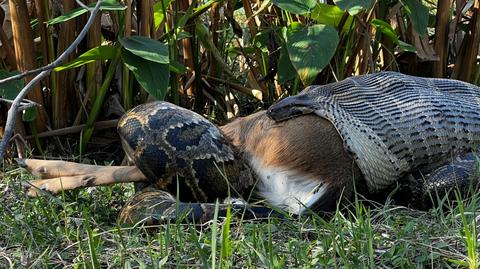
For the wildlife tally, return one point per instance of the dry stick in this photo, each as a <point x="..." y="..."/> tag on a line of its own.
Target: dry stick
<point x="56" y="63"/>
<point x="99" y="125"/>
<point x="12" y="112"/>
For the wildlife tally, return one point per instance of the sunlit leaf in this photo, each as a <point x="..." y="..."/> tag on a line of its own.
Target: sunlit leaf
<point x="310" y="49"/>
<point x="146" y="48"/>
<point x="100" y="53"/>
<point x="354" y="6"/>
<point x="296" y="6"/>
<point x="158" y="12"/>
<point x="388" y="31"/>
<point x="152" y="76"/>
<point x="105" y="5"/>
<point x="330" y="15"/>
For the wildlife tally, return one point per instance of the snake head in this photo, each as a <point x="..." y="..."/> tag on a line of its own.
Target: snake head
<point x="290" y="107"/>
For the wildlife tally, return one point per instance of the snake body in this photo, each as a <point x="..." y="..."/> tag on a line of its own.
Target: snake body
<point x="170" y="144"/>
<point x="398" y="129"/>
<point x="394" y="124"/>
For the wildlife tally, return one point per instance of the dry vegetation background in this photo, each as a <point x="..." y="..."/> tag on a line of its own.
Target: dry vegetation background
<point x="219" y="58"/>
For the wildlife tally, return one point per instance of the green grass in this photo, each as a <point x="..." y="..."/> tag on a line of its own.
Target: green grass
<point x="78" y="230"/>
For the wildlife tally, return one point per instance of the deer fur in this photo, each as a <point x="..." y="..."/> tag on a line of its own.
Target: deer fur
<point x="299" y="163"/>
<point x="306" y="148"/>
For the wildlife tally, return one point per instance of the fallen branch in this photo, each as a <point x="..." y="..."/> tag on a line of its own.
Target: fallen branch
<point x="99" y="125"/>
<point x="12" y="112"/>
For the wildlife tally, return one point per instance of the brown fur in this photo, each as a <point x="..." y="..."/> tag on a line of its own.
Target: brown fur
<point x="308" y="144"/>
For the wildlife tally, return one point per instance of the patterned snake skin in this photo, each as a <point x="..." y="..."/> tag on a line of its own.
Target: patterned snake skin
<point x="395" y="124"/>
<point x="402" y="129"/>
<point x="170" y="144"/>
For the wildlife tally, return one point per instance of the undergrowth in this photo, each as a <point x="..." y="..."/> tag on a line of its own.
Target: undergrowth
<point x="78" y="230"/>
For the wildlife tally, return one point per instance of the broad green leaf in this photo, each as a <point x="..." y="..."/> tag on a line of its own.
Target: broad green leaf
<point x="105" y="5"/>
<point x="354" y="6"/>
<point x="286" y="71"/>
<point x="152" y="76"/>
<point x="330" y="15"/>
<point x="418" y="14"/>
<point x="296" y="6"/>
<point x="310" y="49"/>
<point x="158" y="12"/>
<point x="177" y="67"/>
<point x="100" y="53"/>
<point x="146" y="48"/>
<point x="11" y="89"/>
<point x="388" y="31"/>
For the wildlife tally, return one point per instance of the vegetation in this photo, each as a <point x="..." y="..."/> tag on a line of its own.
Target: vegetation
<point x="220" y="58"/>
<point x="78" y="230"/>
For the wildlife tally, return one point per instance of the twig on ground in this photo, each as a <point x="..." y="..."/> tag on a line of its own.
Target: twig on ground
<point x="12" y="112"/>
<point x="99" y="125"/>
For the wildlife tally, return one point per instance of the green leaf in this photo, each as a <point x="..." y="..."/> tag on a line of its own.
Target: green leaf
<point x="146" y="48"/>
<point x="158" y="12"/>
<point x="330" y="15"/>
<point x="286" y="71"/>
<point x="185" y="17"/>
<point x="29" y="114"/>
<point x="183" y="35"/>
<point x="152" y="76"/>
<point x="354" y="6"/>
<point x="388" y="31"/>
<point x="418" y="14"/>
<point x="11" y="89"/>
<point x="105" y="5"/>
<point x="406" y="47"/>
<point x="100" y="53"/>
<point x="177" y="67"/>
<point x="235" y="51"/>
<point x="310" y="49"/>
<point x="296" y="6"/>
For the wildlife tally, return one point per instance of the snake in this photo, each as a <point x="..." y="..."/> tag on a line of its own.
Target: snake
<point x="397" y="131"/>
<point x="177" y="149"/>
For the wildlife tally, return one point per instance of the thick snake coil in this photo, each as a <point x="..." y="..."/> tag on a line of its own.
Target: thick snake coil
<point x="175" y="147"/>
<point x="402" y="129"/>
<point x="395" y="124"/>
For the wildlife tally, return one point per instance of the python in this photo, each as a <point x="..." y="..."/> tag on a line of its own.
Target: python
<point x="306" y="153"/>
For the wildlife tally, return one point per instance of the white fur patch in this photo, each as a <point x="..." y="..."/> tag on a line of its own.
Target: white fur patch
<point x="287" y="189"/>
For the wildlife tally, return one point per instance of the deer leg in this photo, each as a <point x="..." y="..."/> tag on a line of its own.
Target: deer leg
<point x="60" y="175"/>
